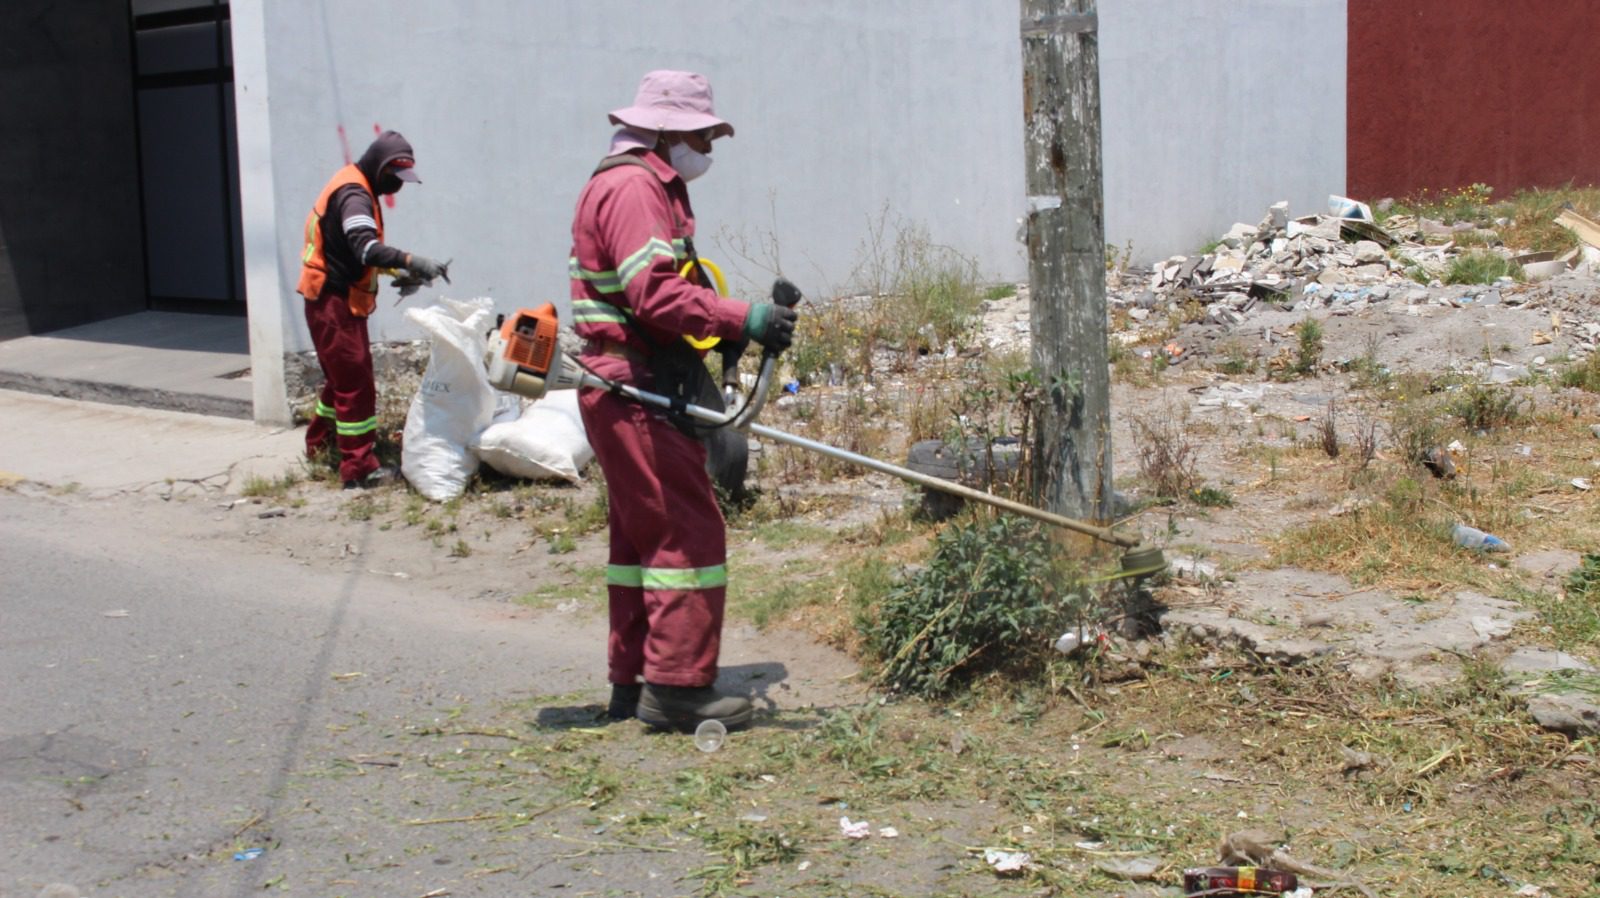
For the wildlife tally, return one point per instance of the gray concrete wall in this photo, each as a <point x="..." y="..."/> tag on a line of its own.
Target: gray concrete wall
<point x="1215" y="109"/>
<point x="70" y="248"/>
<point x="854" y="119"/>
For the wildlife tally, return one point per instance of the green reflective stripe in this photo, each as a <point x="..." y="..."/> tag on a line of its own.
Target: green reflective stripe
<point x="624" y="575"/>
<point x="604" y="281"/>
<point x="594" y="311"/>
<point x="356" y="428"/>
<point x="311" y="224"/>
<point x="325" y="410"/>
<point x="679" y="250"/>
<point x="685" y="578"/>
<point x="635" y="264"/>
<point x="666" y="577"/>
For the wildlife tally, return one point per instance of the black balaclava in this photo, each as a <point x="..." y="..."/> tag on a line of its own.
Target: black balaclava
<point x="388" y="147"/>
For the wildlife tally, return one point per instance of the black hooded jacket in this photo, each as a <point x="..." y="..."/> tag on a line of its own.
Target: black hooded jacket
<point x="350" y="227"/>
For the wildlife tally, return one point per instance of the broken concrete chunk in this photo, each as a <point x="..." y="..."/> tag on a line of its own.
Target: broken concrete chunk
<point x="1368" y="251"/>
<point x="1527" y="660"/>
<point x="1570" y="714"/>
<point x="1239" y="235"/>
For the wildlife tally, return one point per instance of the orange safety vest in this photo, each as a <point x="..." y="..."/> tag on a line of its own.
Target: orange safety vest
<point x="314" y="267"/>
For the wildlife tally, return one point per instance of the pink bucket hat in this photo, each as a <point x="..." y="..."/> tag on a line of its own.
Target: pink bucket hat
<point x="672" y="101"/>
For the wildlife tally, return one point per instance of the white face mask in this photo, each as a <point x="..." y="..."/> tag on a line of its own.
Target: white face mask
<point x="688" y="163"/>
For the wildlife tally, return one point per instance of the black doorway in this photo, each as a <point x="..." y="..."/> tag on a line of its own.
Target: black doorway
<point x="188" y="158"/>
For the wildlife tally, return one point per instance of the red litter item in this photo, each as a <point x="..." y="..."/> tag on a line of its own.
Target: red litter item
<point x="1237" y="881"/>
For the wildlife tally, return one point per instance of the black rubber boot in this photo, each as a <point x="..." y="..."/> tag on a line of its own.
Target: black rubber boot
<point x="685" y="707"/>
<point x="624" y="701"/>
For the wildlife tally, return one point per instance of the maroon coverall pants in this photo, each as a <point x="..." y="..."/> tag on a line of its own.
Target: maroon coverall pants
<point x="347" y="408"/>
<point x="667" y="579"/>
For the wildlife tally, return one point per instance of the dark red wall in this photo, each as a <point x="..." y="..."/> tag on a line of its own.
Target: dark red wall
<point x="1445" y="93"/>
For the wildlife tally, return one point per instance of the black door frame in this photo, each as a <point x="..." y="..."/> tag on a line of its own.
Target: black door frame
<point x="220" y="74"/>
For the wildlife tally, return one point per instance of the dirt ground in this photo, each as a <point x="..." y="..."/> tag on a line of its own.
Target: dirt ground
<point x="1349" y="685"/>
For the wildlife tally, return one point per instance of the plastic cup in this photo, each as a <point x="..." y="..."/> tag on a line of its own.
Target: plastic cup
<point x="709" y="735"/>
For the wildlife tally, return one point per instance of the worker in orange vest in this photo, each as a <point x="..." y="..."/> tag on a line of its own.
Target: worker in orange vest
<point x="339" y="279"/>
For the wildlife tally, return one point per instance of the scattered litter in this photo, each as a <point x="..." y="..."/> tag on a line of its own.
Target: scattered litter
<point x="1088" y="846"/>
<point x="792" y="387"/>
<point x="1581" y="483"/>
<point x="709" y="735"/>
<point x="120" y="612"/>
<point x="353" y="675"/>
<point x="398" y="575"/>
<point x="753" y="818"/>
<point x="1223" y="880"/>
<point x="249" y="854"/>
<point x="1473" y="538"/>
<point x="1135" y="869"/>
<point x="803" y="866"/>
<point x="1491" y="627"/>
<point x="1530" y="891"/>
<point x="1345" y="207"/>
<point x="1074" y="640"/>
<point x="888" y="832"/>
<point x="1007" y="861"/>
<point x="859" y="829"/>
<point x="274" y="512"/>
<point x="1232" y="395"/>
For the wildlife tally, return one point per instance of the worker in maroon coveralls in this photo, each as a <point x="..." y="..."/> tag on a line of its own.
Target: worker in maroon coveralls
<point x="343" y="253"/>
<point x="630" y="237"/>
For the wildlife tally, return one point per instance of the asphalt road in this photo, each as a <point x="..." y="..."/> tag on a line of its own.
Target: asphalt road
<point x="169" y="703"/>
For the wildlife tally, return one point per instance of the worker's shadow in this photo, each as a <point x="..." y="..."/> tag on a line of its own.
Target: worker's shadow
<point x="763" y="683"/>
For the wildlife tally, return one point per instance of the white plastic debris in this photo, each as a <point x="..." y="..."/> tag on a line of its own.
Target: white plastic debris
<point x="888" y="832"/>
<point x="859" y="829"/>
<point x="1007" y="861"/>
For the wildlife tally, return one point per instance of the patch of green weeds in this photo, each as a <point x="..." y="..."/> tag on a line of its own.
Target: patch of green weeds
<point x="1584" y="375"/>
<point x="364" y="508"/>
<point x="1000" y="291"/>
<point x="1308" y="347"/>
<point x="1212" y="497"/>
<point x="461" y="549"/>
<point x="1487" y="406"/>
<point x="1481" y="267"/>
<point x="258" y="487"/>
<point x="990" y="595"/>
<point x="1237" y="359"/>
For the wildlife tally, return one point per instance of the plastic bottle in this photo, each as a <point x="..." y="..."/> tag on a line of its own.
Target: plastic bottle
<point x="1473" y="538"/>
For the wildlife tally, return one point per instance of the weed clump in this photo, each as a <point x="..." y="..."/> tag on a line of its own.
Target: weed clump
<point x="1584" y="375"/>
<point x="1167" y="457"/>
<point x="1481" y="267"/>
<point x="1486" y="407"/>
<point x="990" y="599"/>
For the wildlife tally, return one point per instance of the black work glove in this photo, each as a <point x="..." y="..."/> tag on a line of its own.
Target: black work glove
<point x="771" y="325"/>
<point x="427" y="269"/>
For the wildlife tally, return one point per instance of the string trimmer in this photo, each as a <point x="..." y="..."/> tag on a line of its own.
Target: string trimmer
<point x="525" y="356"/>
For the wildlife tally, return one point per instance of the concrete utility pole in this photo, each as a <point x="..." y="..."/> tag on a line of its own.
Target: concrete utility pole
<point x="1066" y="256"/>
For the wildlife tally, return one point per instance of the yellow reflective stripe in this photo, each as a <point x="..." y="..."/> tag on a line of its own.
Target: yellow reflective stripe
<point x="632" y="266"/>
<point x="356" y="428"/>
<point x="325" y="410"/>
<point x="685" y="578"/>
<point x="624" y="575"/>
<point x="594" y="311"/>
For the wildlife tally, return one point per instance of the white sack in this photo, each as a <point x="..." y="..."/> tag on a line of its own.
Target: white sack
<point x="547" y="443"/>
<point x="455" y="402"/>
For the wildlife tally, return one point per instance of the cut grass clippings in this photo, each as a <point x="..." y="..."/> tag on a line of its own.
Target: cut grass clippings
<point x="1449" y="782"/>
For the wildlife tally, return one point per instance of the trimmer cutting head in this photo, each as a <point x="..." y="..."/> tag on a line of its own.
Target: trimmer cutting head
<point x="1143" y="561"/>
